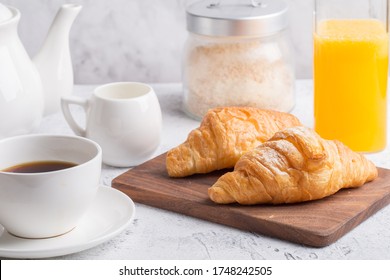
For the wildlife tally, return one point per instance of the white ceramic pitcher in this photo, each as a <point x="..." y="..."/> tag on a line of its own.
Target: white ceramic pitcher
<point x="124" y="118"/>
<point x="30" y="87"/>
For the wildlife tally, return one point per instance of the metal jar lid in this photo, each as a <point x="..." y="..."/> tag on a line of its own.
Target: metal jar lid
<point x="237" y="18"/>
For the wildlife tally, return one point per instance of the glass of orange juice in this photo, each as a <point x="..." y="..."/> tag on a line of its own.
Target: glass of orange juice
<point x="350" y="72"/>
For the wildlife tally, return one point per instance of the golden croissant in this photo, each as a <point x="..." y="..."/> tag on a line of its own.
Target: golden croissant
<point x="295" y="165"/>
<point x="224" y="135"/>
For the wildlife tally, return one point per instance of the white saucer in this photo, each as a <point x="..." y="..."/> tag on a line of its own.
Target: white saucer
<point x="110" y="213"/>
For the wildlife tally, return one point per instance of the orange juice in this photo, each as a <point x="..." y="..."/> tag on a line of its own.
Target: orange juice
<point x="350" y="81"/>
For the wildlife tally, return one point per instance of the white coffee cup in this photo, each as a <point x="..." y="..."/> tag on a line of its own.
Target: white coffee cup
<point x="47" y="204"/>
<point x="124" y="118"/>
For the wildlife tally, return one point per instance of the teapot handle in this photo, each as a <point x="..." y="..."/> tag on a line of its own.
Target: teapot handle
<point x="65" y="102"/>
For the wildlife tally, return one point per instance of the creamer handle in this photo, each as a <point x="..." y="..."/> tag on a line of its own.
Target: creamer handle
<point x="65" y="102"/>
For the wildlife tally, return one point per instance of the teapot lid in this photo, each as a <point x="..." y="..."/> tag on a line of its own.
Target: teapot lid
<point x="5" y="13"/>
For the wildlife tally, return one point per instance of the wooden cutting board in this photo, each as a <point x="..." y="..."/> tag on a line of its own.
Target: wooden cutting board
<point x="316" y="223"/>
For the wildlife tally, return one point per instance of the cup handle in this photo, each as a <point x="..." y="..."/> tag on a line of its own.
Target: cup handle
<point x="65" y="102"/>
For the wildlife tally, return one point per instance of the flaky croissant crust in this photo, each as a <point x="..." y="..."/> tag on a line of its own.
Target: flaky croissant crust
<point x="295" y="165"/>
<point x="224" y="135"/>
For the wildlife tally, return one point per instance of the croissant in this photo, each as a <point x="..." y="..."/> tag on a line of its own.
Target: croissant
<point x="295" y="165"/>
<point x="224" y="135"/>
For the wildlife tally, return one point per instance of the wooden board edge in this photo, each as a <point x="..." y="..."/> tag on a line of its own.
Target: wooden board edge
<point x="357" y="220"/>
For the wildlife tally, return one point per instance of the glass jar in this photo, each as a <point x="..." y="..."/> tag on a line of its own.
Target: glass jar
<point x="237" y="54"/>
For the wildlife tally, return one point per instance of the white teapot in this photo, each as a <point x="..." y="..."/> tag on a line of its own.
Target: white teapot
<point x="31" y="88"/>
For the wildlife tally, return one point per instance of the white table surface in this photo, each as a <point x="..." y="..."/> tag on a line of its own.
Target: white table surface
<point x="160" y="234"/>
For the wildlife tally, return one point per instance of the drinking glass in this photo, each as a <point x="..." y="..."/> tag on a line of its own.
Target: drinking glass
<point x="350" y="72"/>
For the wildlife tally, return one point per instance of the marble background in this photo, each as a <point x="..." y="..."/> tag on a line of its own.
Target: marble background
<point x="138" y="40"/>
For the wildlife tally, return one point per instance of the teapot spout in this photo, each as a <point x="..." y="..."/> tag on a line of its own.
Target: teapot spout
<point x="54" y="62"/>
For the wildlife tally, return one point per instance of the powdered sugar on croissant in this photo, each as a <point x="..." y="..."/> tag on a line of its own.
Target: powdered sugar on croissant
<point x="295" y="165"/>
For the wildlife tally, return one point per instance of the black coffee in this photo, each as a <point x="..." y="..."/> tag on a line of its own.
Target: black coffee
<point x="39" y="166"/>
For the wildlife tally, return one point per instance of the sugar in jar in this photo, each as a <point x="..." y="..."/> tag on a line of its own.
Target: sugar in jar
<point x="237" y="54"/>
